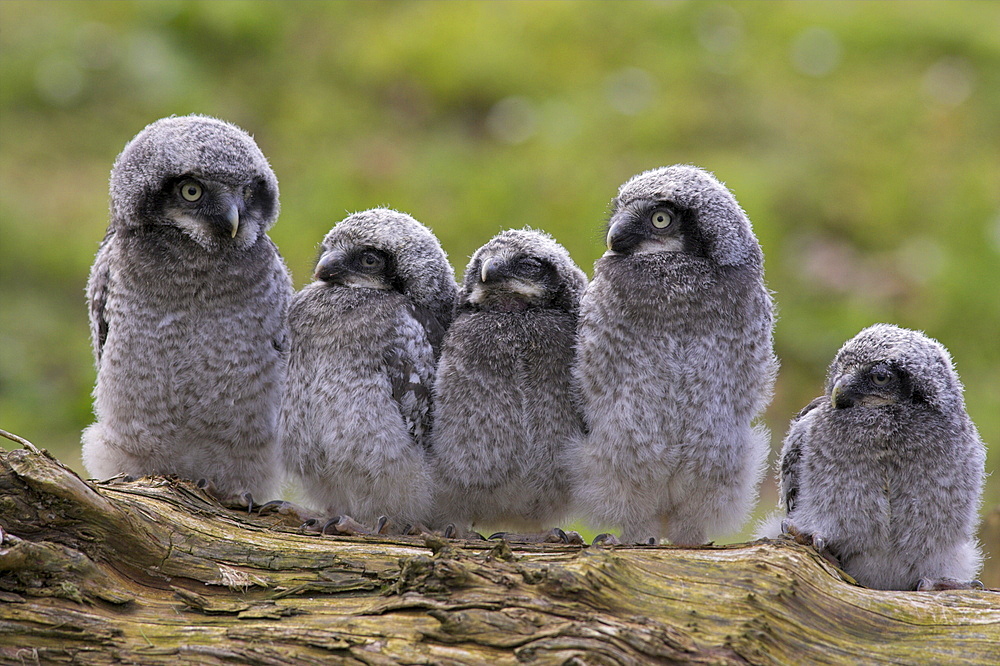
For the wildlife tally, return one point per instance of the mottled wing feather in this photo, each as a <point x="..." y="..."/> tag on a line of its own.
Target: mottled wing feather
<point x="791" y="454"/>
<point x="97" y="295"/>
<point x="410" y="366"/>
<point x="433" y="327"/>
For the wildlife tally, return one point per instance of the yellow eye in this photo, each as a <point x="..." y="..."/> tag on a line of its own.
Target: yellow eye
<point x="661" y="218"/>
<point x="191" y="190"/>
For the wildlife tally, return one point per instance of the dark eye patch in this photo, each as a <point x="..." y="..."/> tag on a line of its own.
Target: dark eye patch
<point x="260" y="195"/>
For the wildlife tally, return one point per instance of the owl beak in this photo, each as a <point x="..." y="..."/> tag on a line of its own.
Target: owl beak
<point x="233" y="218"/>
<point x="331" y="266"/>
<point x="614" y="232"/>
<point x="623" y="234"/>
<point x="491" y="270"/>
<point x="843" y="394"/>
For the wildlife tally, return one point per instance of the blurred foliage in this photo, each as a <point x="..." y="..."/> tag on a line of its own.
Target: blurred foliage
<point x="862" y="139"/>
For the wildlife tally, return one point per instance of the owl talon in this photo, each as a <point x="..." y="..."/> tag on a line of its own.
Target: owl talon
<point x="381" y="526"/>
<point x="345" y="526"/>
<point x="939" y="584"/>
<point x="605" y="539"/>
<point x="555" y="535"/>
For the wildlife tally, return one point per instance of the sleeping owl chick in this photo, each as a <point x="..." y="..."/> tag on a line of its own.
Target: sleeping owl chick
<point x="188" y="298"/>
<point x="504" y="408"/>
<point x="674" y="361"/>
<point x="364" y="338"/>
<point x="885" y="472"/>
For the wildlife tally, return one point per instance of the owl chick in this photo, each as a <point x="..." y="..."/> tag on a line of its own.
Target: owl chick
<point x="364" y="338"/>
<point x="188" y="298"/>
<point x="504" y="410"/>
<point x="885" y="472"/>
<point x="674" y="362"/>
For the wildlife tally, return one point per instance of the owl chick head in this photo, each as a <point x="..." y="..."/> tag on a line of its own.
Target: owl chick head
<point x="521" y="268"/>
<point x="385" y="249"/>
<point x="886" y="364"/>
<point x="681" y="208"/>
<point x="202" y="175"/>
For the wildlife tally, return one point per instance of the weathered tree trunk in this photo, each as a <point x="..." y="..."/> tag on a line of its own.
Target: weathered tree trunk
<point x="153" y="571"/>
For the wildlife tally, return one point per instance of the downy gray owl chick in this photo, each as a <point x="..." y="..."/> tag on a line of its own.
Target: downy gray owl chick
<point x="364" y="338"/>
<point x="188" y="298"/>
<point x="674" y="362"/>
<point x="504" y="408"/>
<point x="885" y="472"/>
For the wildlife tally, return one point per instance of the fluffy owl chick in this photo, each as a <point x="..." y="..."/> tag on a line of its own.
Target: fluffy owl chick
<point x="885" y="472"/>
<point x="674" y="362"/>
<point x="364" y="337"/>
<point x="188" y="298"/>
<point x="504" y="410"/>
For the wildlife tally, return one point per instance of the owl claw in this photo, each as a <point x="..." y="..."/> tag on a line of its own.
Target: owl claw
<point x="345" y="525"/>
<point x="555" y="535"/>
<point x="605" y="539"/>
<point x="938" y="584"/>
<point x="816" y="541"/>
<point x="381" y="526"/>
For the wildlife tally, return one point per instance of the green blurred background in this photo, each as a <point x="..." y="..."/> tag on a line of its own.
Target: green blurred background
<point x="862" y="138"/>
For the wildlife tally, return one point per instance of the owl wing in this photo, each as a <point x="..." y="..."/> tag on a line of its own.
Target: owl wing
<point x="791" y="454"/>
<point x="433" y="327"/>
<point x="97" y="296"/>
<point x="410" y="365"/>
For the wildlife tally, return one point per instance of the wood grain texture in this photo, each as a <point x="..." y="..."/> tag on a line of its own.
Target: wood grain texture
<point x="155" y="572"/>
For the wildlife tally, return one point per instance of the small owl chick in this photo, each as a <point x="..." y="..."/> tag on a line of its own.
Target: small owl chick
<point x="364" y="338"/>
<point x="504" y="397"/>
<point x="674" y="362"/>
<point x="188" y="298"/>
<point x="885" y="472"/>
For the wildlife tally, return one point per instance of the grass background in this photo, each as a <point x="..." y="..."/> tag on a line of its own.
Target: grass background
<point x="862" y="138"/>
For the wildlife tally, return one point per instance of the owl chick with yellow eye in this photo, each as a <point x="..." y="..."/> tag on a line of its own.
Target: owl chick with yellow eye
<point x="188" y="298"/>
<point x="884" y="473"/>
<point x="674" y="362"/>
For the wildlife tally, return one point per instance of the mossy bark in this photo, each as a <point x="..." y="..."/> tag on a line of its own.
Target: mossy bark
<point x="153" y="571"/>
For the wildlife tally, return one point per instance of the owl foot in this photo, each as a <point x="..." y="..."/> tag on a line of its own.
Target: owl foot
<point x="392" y="527"/>
<point x="292" y="514"/>
<point x="345" y="525"/>
<point x="937" y="584"/>
<point x="555" y="535"/>
<point x="816" y="541"/>
<point x="237" y="501"/>
<point x="452" y="532"/>
<point x="605" y="539"/>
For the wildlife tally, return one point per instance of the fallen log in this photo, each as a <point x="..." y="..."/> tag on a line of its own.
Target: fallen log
<point x="154" y="571"/>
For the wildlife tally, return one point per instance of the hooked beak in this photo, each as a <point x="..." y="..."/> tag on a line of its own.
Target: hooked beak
<point x="233" y="218"/>
<point x="843" y="395"/>
<point x="614" y="232"/>
<point x="331" y="266"/>
<point x="492" y="269"/>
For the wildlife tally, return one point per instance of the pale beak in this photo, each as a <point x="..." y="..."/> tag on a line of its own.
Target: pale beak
<point x="233" y="217"/>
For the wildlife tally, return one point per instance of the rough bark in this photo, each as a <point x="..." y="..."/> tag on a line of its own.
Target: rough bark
<point x="154" y="571"/>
